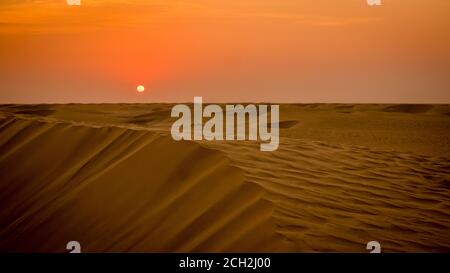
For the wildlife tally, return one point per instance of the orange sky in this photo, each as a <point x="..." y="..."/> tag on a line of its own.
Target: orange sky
<point x="225" y="50"/>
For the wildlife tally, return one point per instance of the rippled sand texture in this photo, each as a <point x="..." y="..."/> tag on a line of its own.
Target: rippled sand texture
<point x="112" y="178"/>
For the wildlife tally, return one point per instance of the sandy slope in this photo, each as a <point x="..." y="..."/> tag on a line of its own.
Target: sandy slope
<point x="111" y="177"/>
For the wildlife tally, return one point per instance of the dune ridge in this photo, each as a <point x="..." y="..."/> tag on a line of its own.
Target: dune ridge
<point x="116" y="189"/>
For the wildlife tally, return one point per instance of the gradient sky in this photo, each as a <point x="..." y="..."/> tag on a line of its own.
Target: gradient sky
<point x="225" y="50"/>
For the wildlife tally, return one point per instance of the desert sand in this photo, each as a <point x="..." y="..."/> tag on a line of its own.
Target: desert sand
<point x="111" y="177"/>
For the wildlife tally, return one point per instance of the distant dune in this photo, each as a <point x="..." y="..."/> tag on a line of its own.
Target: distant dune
<point x="111" y="177"/>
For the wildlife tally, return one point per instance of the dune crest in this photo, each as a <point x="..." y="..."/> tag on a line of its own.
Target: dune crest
<point x="116" y="189"/>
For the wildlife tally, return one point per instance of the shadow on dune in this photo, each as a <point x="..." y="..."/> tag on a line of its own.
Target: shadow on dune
<point x="36" y="109"/>
<point x="408" y="108"/>
<point x="156" y="115"/>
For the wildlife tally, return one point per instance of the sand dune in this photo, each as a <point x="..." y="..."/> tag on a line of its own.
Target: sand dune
<point x="111" y="177"/>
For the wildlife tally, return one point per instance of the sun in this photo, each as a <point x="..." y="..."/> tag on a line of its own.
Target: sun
<point x="140" y="88"/>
